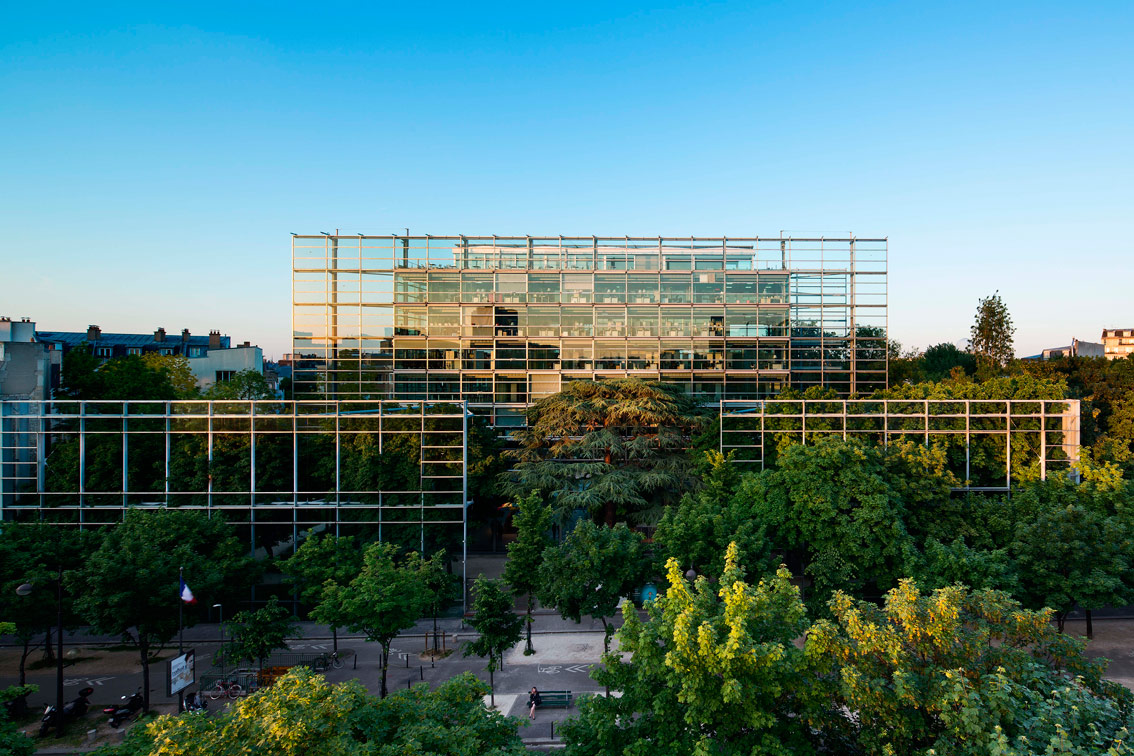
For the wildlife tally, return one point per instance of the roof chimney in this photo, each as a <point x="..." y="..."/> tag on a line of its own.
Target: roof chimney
<point x="159" y="335"/>
<point x="93" y="333"/>
<point x="214" y="339"/>
<point x="184" y="335"/>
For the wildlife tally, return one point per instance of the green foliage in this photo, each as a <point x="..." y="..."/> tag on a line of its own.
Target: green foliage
<point x="939" y="361"/>
<point x="256" y="634"/>
<point x="1073" y="546"/>
<point x="833" y="504"/>
<point x="33" y="553"/>
<point x="131" y="377"/>
<point x="384" y="599"/>
<point x="246" y="384"/>
<point x="497" y="624"/>
<point x="532" y="520"/>
<point x="990" y="338"/>
<point x="714" y="670"/>
<point x="440" y="586"/>
<point x="176" y="369"/>
<point x="590" y="571"/>
<point x="303" y="715"/>
<point x="698" y="530"/>
<point x="321" y="558"/>
<point x="129" y="585"/>
<point x="12" y="741"/>
<point x="958" y="672"/>
<point x="614" y="446"/>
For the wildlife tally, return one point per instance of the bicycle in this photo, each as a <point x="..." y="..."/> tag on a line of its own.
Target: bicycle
<point x="225" y="689"/>
<point x="327" y="661"/>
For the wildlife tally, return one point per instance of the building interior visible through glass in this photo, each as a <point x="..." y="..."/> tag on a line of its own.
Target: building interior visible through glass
<point x="502" y="321"/>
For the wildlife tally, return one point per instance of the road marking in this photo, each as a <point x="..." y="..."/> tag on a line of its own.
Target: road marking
<point x="91" y="682"/>
<point x="579" y="668"/>
<point x="550" y="670"/>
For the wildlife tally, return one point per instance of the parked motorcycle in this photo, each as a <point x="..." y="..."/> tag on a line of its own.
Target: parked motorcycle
<point x="195" y="702"/>
<point x="123" y="711"/>
<point x="73" y="709"/>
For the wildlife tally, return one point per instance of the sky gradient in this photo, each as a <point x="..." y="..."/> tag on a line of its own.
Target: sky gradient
<point x="156" y="158"/>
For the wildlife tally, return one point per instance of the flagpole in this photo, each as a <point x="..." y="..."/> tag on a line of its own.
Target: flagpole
<point x="180" y="631"/>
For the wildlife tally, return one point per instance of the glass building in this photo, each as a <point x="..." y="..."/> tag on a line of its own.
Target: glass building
<point x="502" y="321"/>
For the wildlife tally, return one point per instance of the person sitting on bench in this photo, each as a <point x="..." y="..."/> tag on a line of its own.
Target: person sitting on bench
<point x="533" y="701"/>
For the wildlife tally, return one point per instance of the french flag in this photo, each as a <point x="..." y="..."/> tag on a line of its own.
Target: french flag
<point x="186" y="594"/>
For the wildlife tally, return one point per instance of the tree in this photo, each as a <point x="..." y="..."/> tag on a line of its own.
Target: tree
<point x="697" y="531"/>
<point x="129" y="586"/>
<point x="384" y="599"/>
<point x="613" y="446"/>
<point x="176" y="369"/>
<point x="499" y="627"/>
<point x="835" y="506"/>
<point x="302" y="714"/>
<point x="442" y="588"/>
<point x="532" y="519"/>
<point x="12" y="741"/>
<point x="990" y="338"/>
<point x="713" y="670"/>
<point x="318" y="559"/>
<point x="939" y="360"/>
<point x="590" y="571"/>
<point x="247" y="384"/>
<point x="256" y="634"/>
<point x="33" y="553"/>
<point x="131" y="377"/>
<point x="959" y="672"/>
<point x="1070" y="550"/>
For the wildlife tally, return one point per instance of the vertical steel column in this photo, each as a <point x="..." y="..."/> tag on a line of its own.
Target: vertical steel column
<point x="3" y="458"/>
<point x="82" y="457"/>
<point x="168" y="410"/>
<point x="926" y="423"/>
<point x="968" y="441"/>
<point x="464" y="505"/>
<point x="853" y="333"/>
<point x="209" y="437"/>
<point x="1043" y="440"/>
<point x="252" y="454"/>
<point x="40" y="454"/>
<point x="1008" y="444"/>
<point x="338" y="469"/>
<point x="125" y="457"/>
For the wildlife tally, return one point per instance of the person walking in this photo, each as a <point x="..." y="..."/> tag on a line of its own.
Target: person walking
<point x="533" y="702"/>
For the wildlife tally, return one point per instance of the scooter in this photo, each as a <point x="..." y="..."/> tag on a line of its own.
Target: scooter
<point x="73" y="709"/>
<point x="195" y="702"/>
<point x="123" y="711"/>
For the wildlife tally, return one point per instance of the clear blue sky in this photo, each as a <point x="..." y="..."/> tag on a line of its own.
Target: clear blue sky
<point x="155" y="158"/>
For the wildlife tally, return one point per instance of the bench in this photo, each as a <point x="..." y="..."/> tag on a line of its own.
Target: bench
<point x="555" y="699"/>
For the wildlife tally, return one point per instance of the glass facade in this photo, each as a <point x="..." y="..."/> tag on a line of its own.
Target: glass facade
<point x="503" y="321"/>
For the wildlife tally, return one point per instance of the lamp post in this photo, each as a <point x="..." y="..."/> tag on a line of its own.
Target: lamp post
<point x="220" y="614"/>
<point x="26" y="589"/>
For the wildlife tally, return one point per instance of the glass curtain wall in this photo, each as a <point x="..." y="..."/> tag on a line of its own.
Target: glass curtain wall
<point x="502" y="321"/>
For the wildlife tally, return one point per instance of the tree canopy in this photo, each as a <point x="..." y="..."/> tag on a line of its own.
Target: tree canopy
<point x="613" y="446"/>
<point x="990" y="338"/>
<point x="385" y="598"/>
<point x="590" y="571"/>
<point x="304" y="715"/>
<point x="532" y="520"/>
<point x="129" y="585"/>
<point x="497" y="624"/>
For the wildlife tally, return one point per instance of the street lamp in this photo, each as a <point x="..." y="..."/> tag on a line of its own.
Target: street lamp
<point x="220" y="614"/>
<point x="26" y="589"/>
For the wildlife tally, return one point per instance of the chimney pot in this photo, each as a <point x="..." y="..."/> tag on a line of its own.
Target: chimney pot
<point x="93" y="333"/>
<point x="185" y="335"/>
<point x="214" y="339"/>
<point x="159" y="334"/>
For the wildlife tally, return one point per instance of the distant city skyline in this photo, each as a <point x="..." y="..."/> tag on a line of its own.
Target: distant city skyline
<point x="159" y="157"/>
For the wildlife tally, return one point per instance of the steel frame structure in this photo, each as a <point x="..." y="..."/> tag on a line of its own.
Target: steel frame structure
<point x="1045" y="432"/>
<point x="502" y="321"/>
<point x="30" y="432"/>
